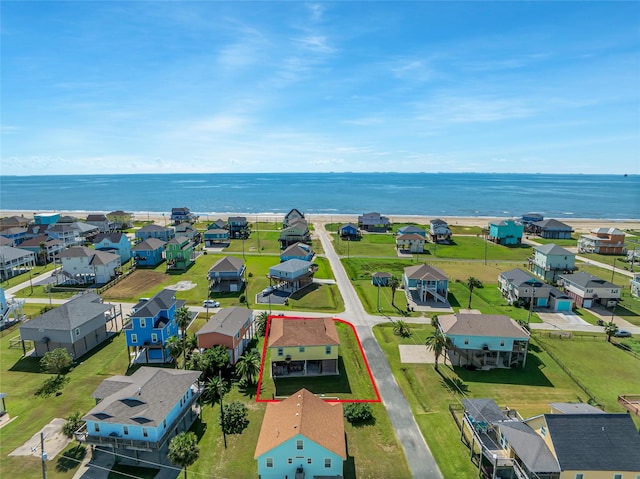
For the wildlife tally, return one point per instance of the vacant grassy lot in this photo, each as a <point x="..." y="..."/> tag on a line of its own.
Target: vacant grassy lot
<point x="429" y="393"/>
<point x="369" y="245"/>
<point x="136" y="284"/>
<point x="565" y="243"/>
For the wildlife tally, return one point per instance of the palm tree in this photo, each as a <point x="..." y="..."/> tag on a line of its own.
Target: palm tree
<point x="261" y="323"/>
<point x="471" y="284"/>
<point x="438" y="343"/>
<point x="610" y="329"/>
<point x="435" y="322"/>
<point x="248" y="366"/>
<point x="183" y="318"/>
<point x="401" y="329"/>
<point x="192" y="343"/>
<point x="215" y="389"/>
<point x="394" y="283"/>
<point x="184" y="450"/>
<point x="175" y="348"/>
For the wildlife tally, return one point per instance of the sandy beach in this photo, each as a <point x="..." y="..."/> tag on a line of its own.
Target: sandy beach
<point x="580" y="225"/>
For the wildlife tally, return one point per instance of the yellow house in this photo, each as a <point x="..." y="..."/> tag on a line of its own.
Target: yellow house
<point x="303" y="346"/>
<point x="121" y="219"/>
<point x="576" y="441"/>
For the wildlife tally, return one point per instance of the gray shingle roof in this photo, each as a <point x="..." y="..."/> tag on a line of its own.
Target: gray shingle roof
<point x="552" y="224"/>
<point x="595" y="442"/>
<point x="161" y="301"/>
<point x="292" y="265"/>
<point x="146" y="397"/>
<point x="70" y="315"/>
<point x="227" y="321"/>
<point x="530" y="447"/>
<point x="149" y="244"/>
<point x="297" y="249"/>
<point x="484" y="409"/>
<point x="112" y="237"/>
<point x="553" y="249"/>
<point x="9" y="253"/>
<point x="425" y="272"/>
<point x="518" y="276"/>
<point x="586" y="280"/>
<point x="483" y="325"/>
<point x="227" y="264"/>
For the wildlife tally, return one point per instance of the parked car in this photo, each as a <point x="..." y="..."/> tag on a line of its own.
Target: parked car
<point x="268" y="290"/>
<point x="622" y="333"/>
<point x="210" y="303"/>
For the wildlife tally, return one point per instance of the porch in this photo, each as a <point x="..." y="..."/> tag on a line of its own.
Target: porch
<point x="309" y="367"/>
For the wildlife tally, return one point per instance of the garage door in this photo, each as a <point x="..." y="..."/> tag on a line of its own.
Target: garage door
<point x="563" y="306"/>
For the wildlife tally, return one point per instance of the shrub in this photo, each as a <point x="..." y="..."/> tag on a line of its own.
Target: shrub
<point x="74" y="422"/>
<point x="242" y="298"/>
<point x="234" y="420"/>
<point x="358" y="412"/>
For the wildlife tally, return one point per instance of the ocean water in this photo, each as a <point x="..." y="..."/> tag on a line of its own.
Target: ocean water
<point x="428" y="194"/>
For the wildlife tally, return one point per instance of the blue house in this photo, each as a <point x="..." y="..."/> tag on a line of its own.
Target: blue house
<point x="155" y="231"/>
<point x="302" y="436"/>
<point x="381" y="278"/>
<point x="297" y="251"/>
<point x="181" y="215"/>
<point x="46" y="218"/>
<point x="412" y="229"/>
<point x="506" y="232"/>
<point x="550" y="260"/>
<point x="152" y="323"/>
<point x="227" y="275"/>
<point x="149" y="252"/>
<point x="349" y="230"/>
<point x="238" y="227"/>
<point x="485" y="340"/>
<point x="117" y="243"/>
<point x="215" y="236"/>
<point x="292" y="275"/>
<point x="426" y="283"/>
<point x="137" y="416"/>
<point x="16" y="234"/>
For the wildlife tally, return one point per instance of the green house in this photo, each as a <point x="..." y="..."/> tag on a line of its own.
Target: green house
<point x="179" y="253"/>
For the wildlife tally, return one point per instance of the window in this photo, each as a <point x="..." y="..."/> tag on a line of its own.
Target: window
<point x="125" y="430"/>
<point x="280" y="352"/>
<point x="299" y="444"/>
<point x="327" y="462"/>
<point x="543" y="433"/>
<point x="154" y="337"/>
<point x="301" y="349"/>
<point x="96" y="427"/>
<point x="77" y="331"/>
<point x="290" y="460"/>
<point x="327" y="350"/>
<point x="143" y="322"/>
<point x="164" y="424"/>
<point x="502" y="342"/>
<point x="617" y="476"/>
<point x="309" y="461"/>
<point x="134" y="338"/>
<point x="145" y="432"/>
<point x="269" y="461"/>
<point x="579" y="475"/>
<point x="466" y="340"/>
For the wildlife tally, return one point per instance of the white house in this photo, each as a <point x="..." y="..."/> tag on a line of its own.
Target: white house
<point x="82" y="265"/>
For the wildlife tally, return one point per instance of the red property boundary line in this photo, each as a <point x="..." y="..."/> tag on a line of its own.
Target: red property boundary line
<point x="364" y="358"/>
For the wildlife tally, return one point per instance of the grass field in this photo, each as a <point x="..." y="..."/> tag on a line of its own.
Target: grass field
<point x="560" y="242"/>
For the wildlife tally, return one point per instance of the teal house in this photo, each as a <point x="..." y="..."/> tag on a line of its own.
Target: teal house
<point x="215" y="236"/>
<point x="550" y="260"/>
<point x="425" y="283"/>
<point x="506" y="232"/>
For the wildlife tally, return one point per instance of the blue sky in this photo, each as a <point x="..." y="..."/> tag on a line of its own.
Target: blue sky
<point x="126" y="87"/>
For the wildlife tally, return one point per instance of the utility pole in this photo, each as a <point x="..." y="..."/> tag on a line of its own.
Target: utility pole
<point x="44" y="456"/>
<point x="533" y="294"/>
<point x="220" y="390"/>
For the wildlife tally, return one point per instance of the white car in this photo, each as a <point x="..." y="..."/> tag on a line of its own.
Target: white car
<point x="268" y="290"/>
<point x="210" y="303"/>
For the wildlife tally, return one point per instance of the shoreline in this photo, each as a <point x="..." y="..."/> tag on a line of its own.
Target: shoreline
<point x="578" y="224"/>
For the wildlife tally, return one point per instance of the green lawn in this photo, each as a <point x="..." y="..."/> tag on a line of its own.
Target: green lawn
<point x="474" y="248"/>
<point x="560" y="242"/>
<point x="352" y="383"/>
<point x="429" y="393"/>
<point x="369" y="245"/>
<point x="609" y="259"/>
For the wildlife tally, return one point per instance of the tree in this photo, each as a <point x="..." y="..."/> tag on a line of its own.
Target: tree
<point x="217" y="359"/>
<point x="400" y="328"/>
<point x="73" y="423"/>
<point x="175" y="348"/>
<point x="471" y="284"/>
<point x="215" y="389"/>
<point x="358" y="412"/>
<point x="248" y="366"/>
<point x="192" y="343"/>
<point x="394" y="283"/>
<point x="56" y="361"/>
<point x="233" y="419"/>
<point x="184" y="450"/>
<point x="435" y="321"/>
<point x="183" y="318"/>
<point x="261" y="323"/>
<point x="438" y="343"/>
<point x="610" y="329"/>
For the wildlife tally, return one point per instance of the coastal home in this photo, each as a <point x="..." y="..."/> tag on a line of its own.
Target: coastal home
<point x="519" y="286"/>
<point x="6" y="241"/>
<point x="179" y="253"/>
<point x="155" y="231"/>
<point x="86" y="232"/>
<point x="152" y="323"/>
<point x="101" y="221"/>
<point x="381" y="278"/>
<point x="296" y="232"/>
<point x="14" y="261"/>
<point x="82" y="265"/>
<point x="230" y="327"/>
<point x="238" y="227"/>
<point x="121" y="220"/>
<point x="67" y="219"/>
<point x="588" y="290"/>
<point x="46" y="218"/>
<point x="215" y="237"/>
<point x="292" y="275"/>
<point x="425" y="283"/>
<point x="485" y="341"/>
<point x="550" y="260"/>
<point x="182" y="215"/>
<point x="117" y="243"/>
<point x="528" y="219"/>
<point x="218" y="224"/>
<point x="602" y="241"/>
<point x="303" y="346"/>
<point x="302" y="436"/>
<point x="78" y="326"/>
<point x="149" y="253"/>
<point x="137" y="416"/>
<point x="64" y="232"/>
<point x="297" y="251"/>
<point x="551" y="229"/>
<point x="635" y="285"/>
<point x="349" y="231"/>
<point x="410" y="243"/>
<point x="14" y="222"/>
<point x="505" y="232"/>
<point x="44" y="247"/>
<point x="187" y="230"/>
<point x="439" y="231"/>
<point x="373" y="222"/>
<point x="291" y="217"/>
<point x="227" y="275"/>
<point x="16" y="234"/>
<point x="412" y="229"/>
